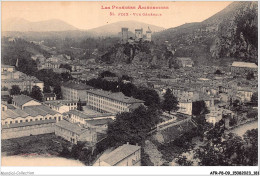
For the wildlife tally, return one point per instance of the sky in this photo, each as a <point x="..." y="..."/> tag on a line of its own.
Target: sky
<point x="88" y="15"/>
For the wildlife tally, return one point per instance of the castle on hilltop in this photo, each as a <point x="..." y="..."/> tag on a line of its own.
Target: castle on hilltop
<point x="138" y="35"/>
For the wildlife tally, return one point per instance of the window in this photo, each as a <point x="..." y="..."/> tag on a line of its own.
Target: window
<point x="21" y="121"/>
<point x="31" y="120"/>
<point x="36" y="119"/>
<point x="6" y="122"/>
<point x="40" y="118"/>
<point x="11" y="122"/>
<point x="26" y="120"/>
<point x="16" y="121"/>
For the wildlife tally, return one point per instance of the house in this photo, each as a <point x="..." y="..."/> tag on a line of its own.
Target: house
<point x="21" y="101"/>
<point x="241" y="68"/>
<point x="7" y="68"/>
<point x="99" y="121"/>
<point x="185" y="62"/>
<point x="5" y="95"/>
<point x="74" y="90"/>
<point x="75" y="132"/>
<point x="244" y="94"/>
<point x="216" y="114"/>
<point x="49" y="96"/>
<point x="185" y="107"/>
<point x="25" y="83"/>
<point x="62" y="106"/>
<point x="105" y="101"/>
<point x="125" y="155"/>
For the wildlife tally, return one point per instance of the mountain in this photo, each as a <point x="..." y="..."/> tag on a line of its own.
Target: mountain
<point x="230" y="33"/>
<point x="22" y="25"/>
<point x="115" y="28"/>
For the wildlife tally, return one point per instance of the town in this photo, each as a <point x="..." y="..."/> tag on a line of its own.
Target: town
<point x="131" y="103"/>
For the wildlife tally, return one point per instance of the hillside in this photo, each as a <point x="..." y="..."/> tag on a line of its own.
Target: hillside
<point x="22" y="25"/>
<point x="115" y="28"/>
<point x="231" y="33"/>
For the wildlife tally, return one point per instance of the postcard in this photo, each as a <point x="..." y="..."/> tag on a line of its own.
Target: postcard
<point x="122" y="83"/>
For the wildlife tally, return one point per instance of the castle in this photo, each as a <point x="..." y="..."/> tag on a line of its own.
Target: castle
<point x="138" y="35"/>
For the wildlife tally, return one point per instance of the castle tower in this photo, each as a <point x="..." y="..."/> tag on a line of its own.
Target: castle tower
<point x="138" y="34"/>
<point x="149" y="34"/>
<point x="124" y="37"/>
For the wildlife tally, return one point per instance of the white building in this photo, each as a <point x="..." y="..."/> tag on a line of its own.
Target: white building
<point x="104" y="101"/>
<point x="75" y="132"/>
<point x="125" y="155"/>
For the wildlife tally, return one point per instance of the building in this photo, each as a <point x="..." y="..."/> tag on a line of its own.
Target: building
<point x="185" y="62"/>
<point x="184" y="93"/>
<point x="185" y="107"/>
<point x="104" y="101"/>
<point x="11" y="75"/>
<point x="25" y="84"/>
<point x="74" y="90"/>
<point x="244" y="94"/>
<point x="216" y="114"/>
<point x="75" y="132"/>
<point x="138" y="34"/>
<point x="21" y="101"/>
<point x="7" y="68"/>
<point x="148" y="35"/>
<point x="99" y="121"/>
<point x="124" y="33"/>
<point x="28" y="118"/>
<point x="49" y="96"/>
<point x="125" y="155"/>
<point x="62" y="106"/>
<point x="243" y="68"/>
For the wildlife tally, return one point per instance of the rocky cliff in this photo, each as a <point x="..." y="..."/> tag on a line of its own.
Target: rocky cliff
<point x="231" y="32"/>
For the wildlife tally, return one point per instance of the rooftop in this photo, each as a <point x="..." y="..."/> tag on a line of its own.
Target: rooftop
<point x="22" y="99"/>
<point x="73" y="127"/>
<point x="120" y="153"/>
<point x="89" y="116"/>
<point x="7" y="66"/>
<point x="244" y="64"/>
<point x="119" y="96"/>
<point x="17" y="125"/>
<point x="76" y="85"/>
<point x="98" y="122"/>
<point x="32" y="111"/>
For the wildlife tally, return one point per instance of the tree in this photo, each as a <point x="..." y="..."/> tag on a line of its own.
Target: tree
<point x="218" y="72"/>
<point x="79" y="106"/>
<point x="132" y="126"/>
<point x="46" y="88"/>
<point x="4" y="88"/>
<point x="254" y="98"/>
<point x="10" y="99"/>
<point x="182" y="161"/>
<point x="67" y="66"/>
<point x="37" y="93"/>
<point x="25" y="92"/>
<point x="15" y="90"/>
<point x="107" y="74"/>
<point x="251" y="139"/>
<point x="229" y="150"/>
<point x="199" y="108"/>
<point x="170" y="102"/>
<point x="250" y="76"/>
<point x="57" y="91"/>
